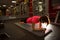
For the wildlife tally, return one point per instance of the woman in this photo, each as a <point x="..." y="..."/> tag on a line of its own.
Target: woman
<point x="39" y="22"/>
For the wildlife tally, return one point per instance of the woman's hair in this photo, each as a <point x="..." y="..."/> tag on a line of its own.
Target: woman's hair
<point x="44" y="19"/>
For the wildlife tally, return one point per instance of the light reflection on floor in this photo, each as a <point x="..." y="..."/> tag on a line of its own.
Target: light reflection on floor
<point x="55" y="34"/>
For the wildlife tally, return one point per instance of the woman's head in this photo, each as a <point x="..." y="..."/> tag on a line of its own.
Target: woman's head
<point x="44" y="19"/>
